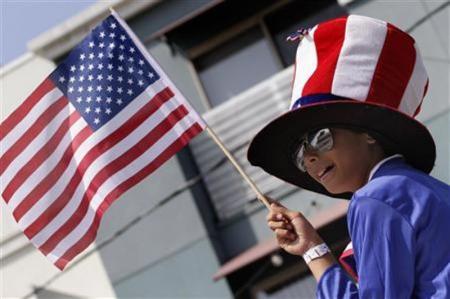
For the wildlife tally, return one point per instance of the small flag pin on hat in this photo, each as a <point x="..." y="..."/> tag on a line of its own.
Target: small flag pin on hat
<point x="298" y="35"/>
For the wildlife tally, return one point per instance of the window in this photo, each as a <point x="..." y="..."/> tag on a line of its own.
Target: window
<point x="236" y="65"/>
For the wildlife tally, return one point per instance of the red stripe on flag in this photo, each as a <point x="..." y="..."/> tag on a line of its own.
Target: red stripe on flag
<point x="328" y="41"/>
<point x="14" y="118"/>
<point x="394" y="68"/>
<point x="109" y="170"/>
<point x="36" y="194"/>
<point x="91" y="233"/>
<point x="31" y="133"/>
<point x="103" y="146"/>
<point x="40" y="156"/>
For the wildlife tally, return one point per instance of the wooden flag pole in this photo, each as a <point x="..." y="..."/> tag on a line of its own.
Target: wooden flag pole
<point x="259" y="195"/>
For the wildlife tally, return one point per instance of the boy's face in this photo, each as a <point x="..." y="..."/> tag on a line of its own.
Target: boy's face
<point x="346" y="167"/>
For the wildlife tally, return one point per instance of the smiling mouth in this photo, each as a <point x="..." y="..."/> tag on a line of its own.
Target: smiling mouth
<point x="324" y="172"/>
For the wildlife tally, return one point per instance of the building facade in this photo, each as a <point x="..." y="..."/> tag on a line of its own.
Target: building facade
<point x="231" y="61"/>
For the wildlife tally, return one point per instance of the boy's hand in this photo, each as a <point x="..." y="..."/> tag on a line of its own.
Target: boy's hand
<point x="294" y="233"/>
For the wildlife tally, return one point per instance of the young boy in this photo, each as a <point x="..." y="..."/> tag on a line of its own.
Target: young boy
<point x="351" y="133"/>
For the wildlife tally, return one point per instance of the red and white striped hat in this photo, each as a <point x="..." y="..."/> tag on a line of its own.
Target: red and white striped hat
<point x="352" y="71"/>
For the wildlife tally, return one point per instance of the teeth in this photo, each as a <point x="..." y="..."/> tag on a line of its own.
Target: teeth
<point x="325" y="170"/>
<point x="322" y="172"/>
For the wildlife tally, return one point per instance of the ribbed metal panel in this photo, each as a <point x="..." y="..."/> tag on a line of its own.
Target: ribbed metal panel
<point x="236" y="122"/>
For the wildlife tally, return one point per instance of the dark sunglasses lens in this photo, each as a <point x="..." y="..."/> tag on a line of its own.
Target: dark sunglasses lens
<point x="322" y="140"/>
<point x="300" y="157"/>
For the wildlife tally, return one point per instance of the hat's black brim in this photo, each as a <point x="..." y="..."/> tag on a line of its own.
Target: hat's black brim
<point x="272" y="148"/>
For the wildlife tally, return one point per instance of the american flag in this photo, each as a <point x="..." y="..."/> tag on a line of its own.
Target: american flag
<point x="106" y="118"/>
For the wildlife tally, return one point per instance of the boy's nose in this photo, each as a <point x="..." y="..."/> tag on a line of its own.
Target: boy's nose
<point x="310" y="158"/>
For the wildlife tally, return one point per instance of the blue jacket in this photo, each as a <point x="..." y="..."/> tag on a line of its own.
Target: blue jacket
<point x="399" y="223"/>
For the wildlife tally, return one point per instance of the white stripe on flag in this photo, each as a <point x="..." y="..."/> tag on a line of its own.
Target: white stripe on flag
<point x="34" y="145"/>
<point x="30" y="119"/>
<point x="413" y="94"/>
<point x="306" y="64"/>
<point x="41" y="173"/>
<point x="358" y="58"/>
<point x="47" y="166"/>
<point x="115" y="180"/>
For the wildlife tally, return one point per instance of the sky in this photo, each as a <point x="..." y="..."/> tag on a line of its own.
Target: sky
<point x="23" y="20"/>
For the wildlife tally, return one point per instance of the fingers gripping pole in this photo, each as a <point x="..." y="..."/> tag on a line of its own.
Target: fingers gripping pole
<point x="259" y="195"/>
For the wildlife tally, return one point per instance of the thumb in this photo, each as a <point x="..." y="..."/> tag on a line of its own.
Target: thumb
<point x="274" y="205"/>
<point x="289" y="214"/>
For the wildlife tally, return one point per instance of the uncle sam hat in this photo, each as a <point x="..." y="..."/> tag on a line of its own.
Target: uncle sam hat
<point x="355" y="72"/>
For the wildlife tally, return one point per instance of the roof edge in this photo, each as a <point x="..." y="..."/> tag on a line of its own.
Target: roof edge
<point x="64" y="36"/>
<point x="15" y="63"/>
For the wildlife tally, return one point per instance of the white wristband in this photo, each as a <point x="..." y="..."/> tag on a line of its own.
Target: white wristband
<point x="315" y="252"/>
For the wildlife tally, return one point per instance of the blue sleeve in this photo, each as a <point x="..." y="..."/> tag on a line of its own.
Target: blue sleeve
<point x="335" y="283"/>
<point x="383" y="244"/>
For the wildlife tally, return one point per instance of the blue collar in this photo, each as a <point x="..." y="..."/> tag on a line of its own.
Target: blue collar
<point x="388" y="164"/>
<point x="378" y="165"/>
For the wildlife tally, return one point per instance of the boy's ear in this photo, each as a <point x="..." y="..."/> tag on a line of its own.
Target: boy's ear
<point x="370" y="139"/>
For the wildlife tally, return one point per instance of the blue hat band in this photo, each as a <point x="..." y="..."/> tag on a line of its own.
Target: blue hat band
<point x="316" y="98"/>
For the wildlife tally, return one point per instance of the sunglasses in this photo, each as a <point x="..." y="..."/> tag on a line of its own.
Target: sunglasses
<point x="317" y="141"/>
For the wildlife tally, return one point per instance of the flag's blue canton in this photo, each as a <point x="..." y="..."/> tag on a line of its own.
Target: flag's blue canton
<point x="104" y="73"/>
